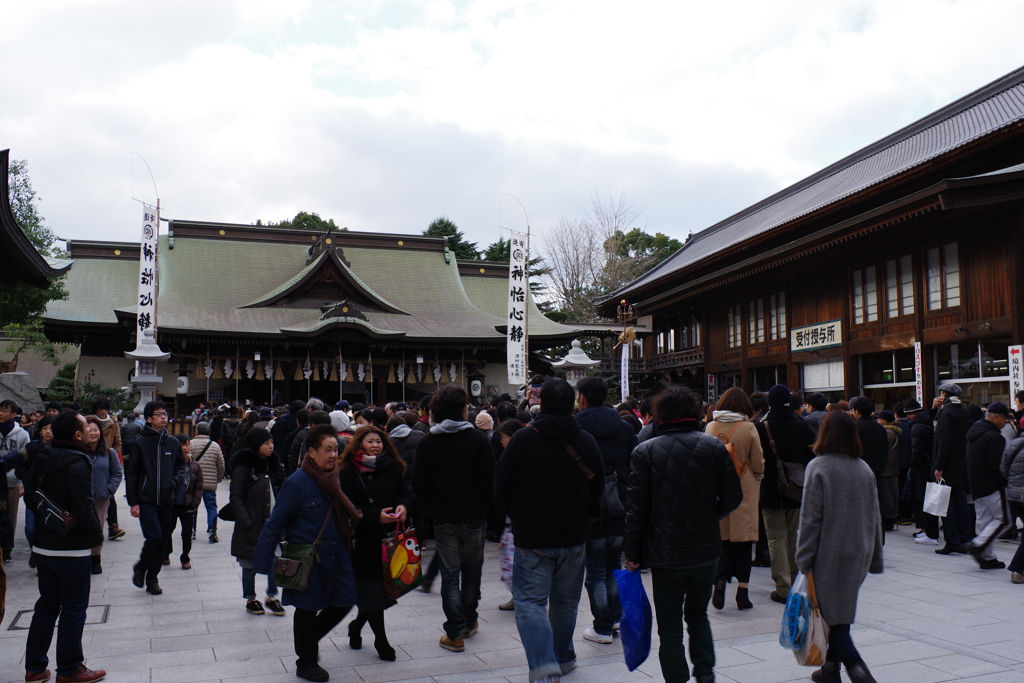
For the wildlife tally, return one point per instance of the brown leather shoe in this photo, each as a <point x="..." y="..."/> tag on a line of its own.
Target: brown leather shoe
<point x="82" y="675"/>
<point x="777" y="598"/>
<point x="32" y="677"/>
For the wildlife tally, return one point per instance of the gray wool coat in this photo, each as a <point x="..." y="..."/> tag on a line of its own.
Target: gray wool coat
<point x="840" y="533"/>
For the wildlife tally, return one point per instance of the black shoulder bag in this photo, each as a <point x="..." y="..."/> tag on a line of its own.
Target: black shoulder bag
<point x="791" y="474"/>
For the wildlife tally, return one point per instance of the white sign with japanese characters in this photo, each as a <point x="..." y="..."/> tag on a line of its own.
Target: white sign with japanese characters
<point x="820" y="336"/>
<point x="1016" y="372"/>
<point x="918" y="374"/>
<point x="518" y="287"/>
<point x="146" y="316"/>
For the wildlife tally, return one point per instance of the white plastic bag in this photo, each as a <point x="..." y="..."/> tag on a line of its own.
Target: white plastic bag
<point x="936" y="498"/>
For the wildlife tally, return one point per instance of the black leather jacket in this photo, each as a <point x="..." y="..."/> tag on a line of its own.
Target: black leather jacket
<point x="681" y="483"/>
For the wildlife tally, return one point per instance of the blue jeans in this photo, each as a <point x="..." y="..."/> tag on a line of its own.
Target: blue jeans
<point x="460" y="548"/>
<point x="63" y="591"/>
<point x="210" y="501"/>
<point x="249" y="584"/>
<point x="957" y="528"/>
<point x="546" y="587"/>
<point x="603" y="558"/>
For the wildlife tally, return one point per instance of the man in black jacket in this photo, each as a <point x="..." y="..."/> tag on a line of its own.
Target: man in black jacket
<point x="454" y="477"/>
<point x="985" y="445"/>
<point x="950" y="464"/>
<point x="156" y="466"/>
<point x="875" y="451"/>
<point x="549" y="482"/>
<point x="792" y="437"/>
<point x="616" y="440"/>
<point x="284" y="426"/>
<point x="681" y="484"/>
<point x="922" y="446"/>
<point x="63" y="471"/>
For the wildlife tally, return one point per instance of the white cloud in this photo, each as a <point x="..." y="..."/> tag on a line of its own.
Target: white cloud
<point x="384" y="115"/>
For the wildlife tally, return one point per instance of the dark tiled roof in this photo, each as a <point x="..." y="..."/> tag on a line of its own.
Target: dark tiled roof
<point x="23" y="264"/>
<point x="995" y="106"/>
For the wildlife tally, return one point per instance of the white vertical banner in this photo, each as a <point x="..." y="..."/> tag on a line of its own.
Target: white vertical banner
<point x="518" y="286"/>
<point x="918" y="374"/>
<point x="1016" y="372"/>
<point x="624" y="373"/>
<point x="146" y="317"/>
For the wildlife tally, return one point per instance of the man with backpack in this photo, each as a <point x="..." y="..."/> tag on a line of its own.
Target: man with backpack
<point x="208" y="455"/>
<point x="616" y="440"/>
<point x="62" y="472"/>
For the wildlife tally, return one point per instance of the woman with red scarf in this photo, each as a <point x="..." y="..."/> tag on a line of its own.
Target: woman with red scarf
<point x="373" y="477"/>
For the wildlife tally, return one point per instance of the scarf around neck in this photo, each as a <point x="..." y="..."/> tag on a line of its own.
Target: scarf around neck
<point x="728" y="416"/>
<point x="348" y="515"/>
<point x="450" y="427"/>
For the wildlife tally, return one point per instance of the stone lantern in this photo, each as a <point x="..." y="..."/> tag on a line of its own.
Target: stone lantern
<point x="576" y="363"/>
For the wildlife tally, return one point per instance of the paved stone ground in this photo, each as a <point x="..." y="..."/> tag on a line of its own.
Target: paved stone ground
<point x="927" y="619"/>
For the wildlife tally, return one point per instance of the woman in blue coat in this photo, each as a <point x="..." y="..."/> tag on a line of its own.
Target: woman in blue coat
<point x="310" y="495"/>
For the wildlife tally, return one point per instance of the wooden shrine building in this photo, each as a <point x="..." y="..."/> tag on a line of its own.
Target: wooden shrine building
<point x="267" y="314"/>
<point x="913" y="243"/>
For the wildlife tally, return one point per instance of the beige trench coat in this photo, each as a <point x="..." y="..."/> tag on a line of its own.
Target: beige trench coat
<point x="741" y="525"/>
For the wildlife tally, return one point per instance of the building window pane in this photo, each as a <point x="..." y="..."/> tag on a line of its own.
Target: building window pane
<point x="782" y="315"/>
<point x="904" y="359"/>
<point x="906" y="286"/>
<point x="751" y="324"/>
<point x="934" y="281"/>
<point x="951" y="270"/>
<point x="672" y="341"/>
<point x="870" y="295"/>
<point x="858" y="298"/>
<point x="995" y="360"/>
<point x="760" y="320"/>
<point x="892" y="304"/>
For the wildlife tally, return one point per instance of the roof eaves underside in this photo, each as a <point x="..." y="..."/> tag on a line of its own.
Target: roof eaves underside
<point x="982" y="113"/>
<point x="22" y="262"/>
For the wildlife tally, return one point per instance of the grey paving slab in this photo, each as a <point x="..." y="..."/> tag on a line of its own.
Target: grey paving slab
<point x="928" y="618"/>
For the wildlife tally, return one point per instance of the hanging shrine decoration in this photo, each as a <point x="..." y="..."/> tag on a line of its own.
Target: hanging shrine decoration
<point x="391" y="373"/>
<point x="229" y="369"/>
<point x="279" y="373"/>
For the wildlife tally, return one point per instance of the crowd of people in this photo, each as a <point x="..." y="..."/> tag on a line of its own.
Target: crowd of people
<point x="573" y="486"/>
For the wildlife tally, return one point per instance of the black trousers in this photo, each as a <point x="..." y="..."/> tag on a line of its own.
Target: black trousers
<point x="178" y="512"/>
<point x="840" y="645"/>
<point x="735" y="561"/>
<point x="309" y="628"/>
<point x="112" y="513"/>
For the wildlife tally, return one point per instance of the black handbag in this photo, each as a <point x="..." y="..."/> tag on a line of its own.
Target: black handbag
<point x="49" y="513"/>
<point x="791" y="474"/>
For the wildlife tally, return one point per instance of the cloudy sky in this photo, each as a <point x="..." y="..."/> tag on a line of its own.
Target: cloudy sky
<point x="384" y="115"/>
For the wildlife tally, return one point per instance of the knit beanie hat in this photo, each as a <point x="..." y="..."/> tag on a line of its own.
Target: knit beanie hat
<point x="340" y="421"/>
<point x="484" y="422"/>
<point x="778" y="396"/>
<point x="255" y="438"/>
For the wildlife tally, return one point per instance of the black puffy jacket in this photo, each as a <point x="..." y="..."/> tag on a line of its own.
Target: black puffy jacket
<point x="874" y="445"/>
<point x="616" y="440"/>
<point x="951" y="443"/>
<point x="681" y="483"/>
<point x="985" y="445"/>
<point x="922" y="443"/>
<point x="251" y="484"/>
<point x="65" y="471"/>
<point x="156" y="466"/>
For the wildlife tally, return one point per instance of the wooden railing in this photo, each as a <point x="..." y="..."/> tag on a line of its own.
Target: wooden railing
<point x="677" y="359"/>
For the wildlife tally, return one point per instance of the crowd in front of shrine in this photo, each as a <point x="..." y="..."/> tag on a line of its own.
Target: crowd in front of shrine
<point x="580" y="493"/>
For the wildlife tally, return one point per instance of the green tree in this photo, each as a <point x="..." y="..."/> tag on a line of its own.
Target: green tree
<point x="30" y="337"/>
<point x="21" y="305"/>
<point x="63" y="387"/>
<point x="444" y="227"/>
<point x="305" y="221"/>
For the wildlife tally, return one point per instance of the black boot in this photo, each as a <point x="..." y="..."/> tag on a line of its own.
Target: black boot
<point x="859" y="673"/>
<point x="742" y="599"/>
<point x="718" y="596"/>
<point x="828" y="673"/>
<point x="355" y="636"/>
<point x="97" y="568"/>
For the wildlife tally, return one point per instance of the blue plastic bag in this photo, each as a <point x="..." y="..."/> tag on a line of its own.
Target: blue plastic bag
<point x="635" y="624"/>
<point x="794" y="618"/>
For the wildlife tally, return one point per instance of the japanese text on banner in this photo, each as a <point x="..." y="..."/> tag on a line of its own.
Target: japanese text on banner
<point x="518" y="289"/>
<point x="146" y="316"/>
<point x="1016" y="371"/>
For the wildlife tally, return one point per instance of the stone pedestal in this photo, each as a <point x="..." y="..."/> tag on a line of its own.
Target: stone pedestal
<point x="146" y="355"/>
